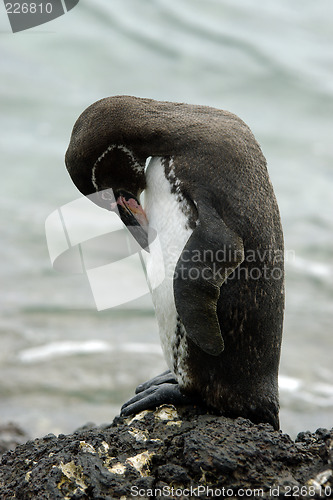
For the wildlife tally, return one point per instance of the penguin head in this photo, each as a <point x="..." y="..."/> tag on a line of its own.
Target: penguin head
<point x="112" y="174"/>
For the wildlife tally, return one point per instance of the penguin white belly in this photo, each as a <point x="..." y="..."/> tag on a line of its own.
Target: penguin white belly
<point x="165" y="216"/>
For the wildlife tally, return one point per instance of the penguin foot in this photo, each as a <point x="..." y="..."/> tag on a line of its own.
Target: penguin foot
<point x="155" y="395"/>
<point x="165" y="378"/>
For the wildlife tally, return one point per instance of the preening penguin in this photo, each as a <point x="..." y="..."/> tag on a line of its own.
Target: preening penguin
<point x="209" y="199"/>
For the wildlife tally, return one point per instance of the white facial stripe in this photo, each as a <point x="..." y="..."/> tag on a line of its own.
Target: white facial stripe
<point x="99" y="159"/>
<point x="134" y="163"/>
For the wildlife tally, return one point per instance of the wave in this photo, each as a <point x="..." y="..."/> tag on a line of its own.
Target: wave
<point x="316" y="393"/>
<point x="319" y="270"/>
<point x="71" y="348"/>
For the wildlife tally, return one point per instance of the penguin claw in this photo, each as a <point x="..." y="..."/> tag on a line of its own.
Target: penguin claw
<point x="155" y="395"/>
<point x="164" y="378"/>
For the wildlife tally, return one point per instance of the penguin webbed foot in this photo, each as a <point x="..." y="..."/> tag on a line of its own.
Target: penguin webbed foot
<point x="160" y="390"/>
<point x="164" y="378"/>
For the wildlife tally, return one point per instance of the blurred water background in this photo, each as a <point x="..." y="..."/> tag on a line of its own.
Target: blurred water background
<point x="62" y="362"/>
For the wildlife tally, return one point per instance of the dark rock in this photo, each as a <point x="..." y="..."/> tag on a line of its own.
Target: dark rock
<point x="171" y="453"/>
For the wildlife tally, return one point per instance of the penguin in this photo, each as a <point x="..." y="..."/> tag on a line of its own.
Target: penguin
<point x="217" y="279"/>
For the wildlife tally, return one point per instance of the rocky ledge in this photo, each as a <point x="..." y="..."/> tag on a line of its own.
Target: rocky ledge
<point x="171" y="453"/>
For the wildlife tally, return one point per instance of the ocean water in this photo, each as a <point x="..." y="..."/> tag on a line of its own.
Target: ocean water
<point x="63" y="362"/>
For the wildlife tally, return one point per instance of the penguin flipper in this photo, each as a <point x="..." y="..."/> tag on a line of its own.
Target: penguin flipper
<point x="210" y="255"/>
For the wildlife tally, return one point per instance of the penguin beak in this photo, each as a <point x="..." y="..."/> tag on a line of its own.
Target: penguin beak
<point x="134" y="218"/>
